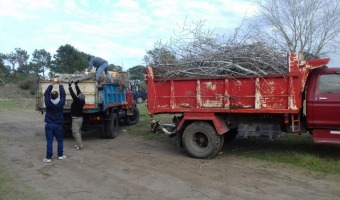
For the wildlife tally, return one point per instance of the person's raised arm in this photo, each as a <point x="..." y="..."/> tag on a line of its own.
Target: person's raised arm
<point x="47" y="94"/>
<point x="74" y="97"/>
<point x="62" y="94"/>
<point x="77" y="88"/>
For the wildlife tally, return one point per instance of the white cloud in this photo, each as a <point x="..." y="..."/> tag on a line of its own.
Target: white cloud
<point x="70" y="6"/>
<point x="23" y="9"/>
<point x="13" y="9"/>
<point x="128" y="4"/>
<point x="37" y="5"/>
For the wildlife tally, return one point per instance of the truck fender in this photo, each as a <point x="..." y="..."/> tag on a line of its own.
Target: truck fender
<point x="220" y="126"/>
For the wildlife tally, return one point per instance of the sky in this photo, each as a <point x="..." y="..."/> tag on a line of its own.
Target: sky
<point x="120" y="31"/>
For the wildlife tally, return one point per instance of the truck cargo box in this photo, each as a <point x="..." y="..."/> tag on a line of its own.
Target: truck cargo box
<point x="98" y="98"/>
<point x="281" y="93"/>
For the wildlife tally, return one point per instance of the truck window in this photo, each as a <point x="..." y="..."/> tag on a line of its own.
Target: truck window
<point x="329" y="83"/>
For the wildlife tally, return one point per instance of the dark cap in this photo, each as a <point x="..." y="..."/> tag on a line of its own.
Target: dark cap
<point x="54" y="95"/>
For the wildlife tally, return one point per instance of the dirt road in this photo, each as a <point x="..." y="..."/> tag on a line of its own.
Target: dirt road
<point x="132" y="168"/>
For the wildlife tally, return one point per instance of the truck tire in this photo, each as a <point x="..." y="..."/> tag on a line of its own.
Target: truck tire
<point x="139" y="100"/>
<point x="200" y="140"/>
<point x="132" y="119"/>
<point x="222" y="143"/>
<point x="111" y="128"/>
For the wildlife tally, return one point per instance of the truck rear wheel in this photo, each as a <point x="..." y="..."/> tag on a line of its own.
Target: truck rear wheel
<point x="222" y="143"/>
<point x="132" y="119"/>
<point x="111" y="128"/>
<point x="201" y="140"/>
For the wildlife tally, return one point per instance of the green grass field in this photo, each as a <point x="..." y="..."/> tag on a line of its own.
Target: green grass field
<point x="291" y="149"/>
<point x="17" y="103"/>
<point x="143" y="128"/>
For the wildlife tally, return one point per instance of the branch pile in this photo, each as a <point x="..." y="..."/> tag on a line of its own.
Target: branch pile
<point x="205" y="56"/>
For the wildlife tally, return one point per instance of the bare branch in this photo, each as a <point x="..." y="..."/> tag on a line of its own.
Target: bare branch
<point x="202" y="53"/>
<point x="305" y="26"/>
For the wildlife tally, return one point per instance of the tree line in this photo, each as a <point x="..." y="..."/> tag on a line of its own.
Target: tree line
<point x="67" y="59"/>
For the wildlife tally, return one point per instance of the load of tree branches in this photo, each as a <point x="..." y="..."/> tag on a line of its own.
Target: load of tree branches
<point x="120" y="78"/>
<point x="195" y="53"/>
<point x="242" y="60"/>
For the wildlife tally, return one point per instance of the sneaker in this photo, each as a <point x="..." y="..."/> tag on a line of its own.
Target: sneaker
<point x="62" y="157"/>
<point x="75" y="146"/>
<point x="45" y="160"/>
<point x="79" y="148"/>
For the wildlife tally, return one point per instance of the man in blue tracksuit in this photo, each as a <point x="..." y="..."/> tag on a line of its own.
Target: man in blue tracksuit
<point x="101" y="65"/>
<point x="54" y="119"/>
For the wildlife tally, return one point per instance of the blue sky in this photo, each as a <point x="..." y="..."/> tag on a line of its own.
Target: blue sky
<point x="120" y="31"/>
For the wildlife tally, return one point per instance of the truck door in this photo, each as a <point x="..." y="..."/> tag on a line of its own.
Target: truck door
<point x="326" y="102"/>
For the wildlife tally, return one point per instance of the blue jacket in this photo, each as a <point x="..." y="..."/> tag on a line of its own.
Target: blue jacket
<point x="96" y="62"/>
<point x="54" y="113"/>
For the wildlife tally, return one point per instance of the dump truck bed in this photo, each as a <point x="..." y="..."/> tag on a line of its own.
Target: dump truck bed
<point x="280" y="93"/>
<point x="97" y="98"/>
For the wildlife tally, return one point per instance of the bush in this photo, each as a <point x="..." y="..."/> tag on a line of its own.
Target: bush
<point x="28" y="84"/>
<point x="25" y="85"/>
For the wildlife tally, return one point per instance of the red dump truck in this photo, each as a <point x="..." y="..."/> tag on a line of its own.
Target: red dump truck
<point x="205" y="110"/>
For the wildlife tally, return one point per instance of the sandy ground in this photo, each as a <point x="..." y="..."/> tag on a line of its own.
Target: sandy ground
<point x="129" y="167"/>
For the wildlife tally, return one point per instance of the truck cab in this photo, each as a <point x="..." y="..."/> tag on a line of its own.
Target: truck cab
<point x="323" y="105"/>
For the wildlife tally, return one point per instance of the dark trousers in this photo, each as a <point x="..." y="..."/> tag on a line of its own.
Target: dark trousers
<point x="51" y="131"/>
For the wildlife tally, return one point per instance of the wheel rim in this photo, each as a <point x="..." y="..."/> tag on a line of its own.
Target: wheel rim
<point x="200" y="140"/>
<point x="139" y="100"/>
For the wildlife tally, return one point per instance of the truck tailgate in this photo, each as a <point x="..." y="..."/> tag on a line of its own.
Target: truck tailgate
<point x="88" y="88"/>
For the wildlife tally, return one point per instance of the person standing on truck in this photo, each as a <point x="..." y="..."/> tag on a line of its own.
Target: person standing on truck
<point x="77" y="114"/>
<point x="101" y="66"/>
<point x="54" y="119"/>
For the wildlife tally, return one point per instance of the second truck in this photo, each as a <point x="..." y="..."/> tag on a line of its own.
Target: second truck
<point x="105" y="104"/>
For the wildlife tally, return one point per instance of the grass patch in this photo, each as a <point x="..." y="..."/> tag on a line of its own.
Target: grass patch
<point x="292" y="149"/>
<point x="17" y="103"/>
<point x="13" y="189"/>
<point x="143" y="129"/>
